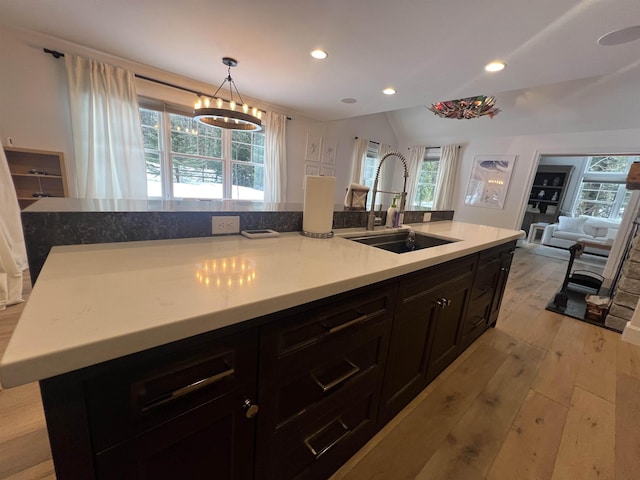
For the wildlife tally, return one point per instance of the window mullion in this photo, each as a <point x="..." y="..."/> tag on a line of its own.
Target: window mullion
<point x="166" y="177"/>
<point x="227" y="168"/>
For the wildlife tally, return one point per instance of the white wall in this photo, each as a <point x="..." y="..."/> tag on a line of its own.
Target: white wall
<point x="528" y="149"/>
<point x="34" y="112"/>
<point x="34" y="108"/>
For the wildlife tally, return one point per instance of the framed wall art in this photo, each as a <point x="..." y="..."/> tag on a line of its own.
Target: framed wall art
<point x="314" y="147"/>
<point x="489" y="180"/>
<point x="329" y="152"/>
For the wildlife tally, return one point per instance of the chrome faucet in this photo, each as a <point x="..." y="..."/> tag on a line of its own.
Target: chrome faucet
<point x="403" y="194"/>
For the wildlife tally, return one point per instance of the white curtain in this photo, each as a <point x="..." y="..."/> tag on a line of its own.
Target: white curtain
<point x="416" y="156"/>
<point x="446" y="179"/>
<point x="107" y="136"/>
<point x="360" y="147"/>
<point x="275" y="158"/>
<point x="13" y="254"/>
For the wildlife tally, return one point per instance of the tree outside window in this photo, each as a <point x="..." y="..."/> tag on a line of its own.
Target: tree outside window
<point x="200" y="161"/>
<point x="370" y="164"/>
<point x="602" y="191"/>
<point x="426" y="183"/>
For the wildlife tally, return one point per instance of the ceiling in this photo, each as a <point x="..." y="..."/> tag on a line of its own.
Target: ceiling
<point x="429" y="50"/>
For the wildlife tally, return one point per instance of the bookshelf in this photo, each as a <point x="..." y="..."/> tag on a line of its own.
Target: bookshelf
<point x="36" y="174"/>
<point x="547" y="194"/>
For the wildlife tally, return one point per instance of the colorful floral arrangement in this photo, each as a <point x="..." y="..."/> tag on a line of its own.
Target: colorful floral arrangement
<point x="471" y="107"/>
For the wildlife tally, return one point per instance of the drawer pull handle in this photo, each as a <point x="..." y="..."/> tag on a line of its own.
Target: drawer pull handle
<point x="443" y="302"/>
<point x="192" y="387"/>
<point x="321" y="451"/>
<point x="348" y="324"/>
<point x="333" y="383"/>
<point x="478" y="322"/>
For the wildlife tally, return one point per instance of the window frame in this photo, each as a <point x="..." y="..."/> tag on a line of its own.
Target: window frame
<point x="429" y="157"/>
<point x="167" y="155"/>
<point x="373" y="154"/>
<point x="621" y="199"/>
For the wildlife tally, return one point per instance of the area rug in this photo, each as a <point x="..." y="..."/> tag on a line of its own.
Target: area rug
<point x="576" y="308"/>
<point x="576" y="304"/>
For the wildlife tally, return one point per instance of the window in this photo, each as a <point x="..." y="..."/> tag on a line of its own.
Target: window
<point x="370" y="164"/>
<point x="602" y="191"/>
<point x="186" y="159"/>
<point x="426" y="182"/>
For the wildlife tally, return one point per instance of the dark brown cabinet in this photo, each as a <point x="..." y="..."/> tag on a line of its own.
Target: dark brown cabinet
<point x="179" y="411"/>
<point x="487" y="292"/>
<point x="320" y="381"/>
<point x="425" y="335"/>
<point x="325" y="378"/>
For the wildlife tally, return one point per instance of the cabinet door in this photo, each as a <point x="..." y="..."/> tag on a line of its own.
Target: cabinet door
<point x="211" y="441"/>
<point x="451" y="301"/>
<point x="501" y="282"/>
<point x="405" y="375"/>
<point x="425" y="330"/>
<point x="185" y="413"/>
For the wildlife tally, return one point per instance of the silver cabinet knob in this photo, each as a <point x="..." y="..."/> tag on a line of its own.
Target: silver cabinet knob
<point x="443" y="302"/>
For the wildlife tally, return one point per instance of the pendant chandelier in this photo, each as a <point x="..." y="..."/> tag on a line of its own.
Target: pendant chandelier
<point x="227" y="113"/>
<point x="471" y="107"/>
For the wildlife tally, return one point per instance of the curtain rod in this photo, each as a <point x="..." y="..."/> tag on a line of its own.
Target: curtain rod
<point x="429" y="148"/>
<point x="377" y="143"/>
<point x="57" y="54"/>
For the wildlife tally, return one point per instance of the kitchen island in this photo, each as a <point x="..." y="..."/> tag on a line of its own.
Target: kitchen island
<point x="146" y="350"/>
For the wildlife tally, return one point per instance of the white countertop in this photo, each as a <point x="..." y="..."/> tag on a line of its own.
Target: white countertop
<point x="94" y="303"/>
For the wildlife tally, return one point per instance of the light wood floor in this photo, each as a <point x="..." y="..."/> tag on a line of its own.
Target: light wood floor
<point x="541" y="396"/>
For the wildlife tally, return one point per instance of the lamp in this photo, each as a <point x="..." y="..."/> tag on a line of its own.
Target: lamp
<point x="235" y="116"/>
<point x="471" y="107"/>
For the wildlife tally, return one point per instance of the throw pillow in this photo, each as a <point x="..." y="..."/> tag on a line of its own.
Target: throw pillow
<point x="573" y="225"/>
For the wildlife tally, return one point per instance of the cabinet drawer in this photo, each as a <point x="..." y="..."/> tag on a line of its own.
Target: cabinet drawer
<point x="316" y="379"/>
<point x="317" y="444"/>
<point x="425" y="282"/>
<point x="127" y="401"/>
<point x="323" y="324"/>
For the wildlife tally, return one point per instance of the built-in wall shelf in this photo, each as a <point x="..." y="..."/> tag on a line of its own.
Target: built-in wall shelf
<point x="547" y="194"/>
<point x="36" y="174"/>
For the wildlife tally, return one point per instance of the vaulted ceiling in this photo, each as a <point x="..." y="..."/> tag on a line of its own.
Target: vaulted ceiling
<point x="428" y="50"/>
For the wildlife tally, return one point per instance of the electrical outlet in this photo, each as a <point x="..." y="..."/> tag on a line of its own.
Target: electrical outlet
<point x="426" y="217"/>
<point x="224" y="225"/>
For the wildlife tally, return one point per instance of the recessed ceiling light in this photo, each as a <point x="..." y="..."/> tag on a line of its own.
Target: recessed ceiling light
<point x="495" y="66"/>
<point x="348" y="100"/>
<point x="319" y="54"/>
<point x="618" y="37"/>
<point x="389" y="91"/>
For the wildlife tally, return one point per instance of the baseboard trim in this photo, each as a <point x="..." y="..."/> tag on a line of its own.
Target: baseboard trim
<point x="631" y="334"/>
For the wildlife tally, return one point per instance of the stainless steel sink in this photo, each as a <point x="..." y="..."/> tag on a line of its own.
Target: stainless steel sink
<point x="402" y="241"/>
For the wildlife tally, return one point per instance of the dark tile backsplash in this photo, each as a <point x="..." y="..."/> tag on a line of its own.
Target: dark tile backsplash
<point x="45" y="229"/>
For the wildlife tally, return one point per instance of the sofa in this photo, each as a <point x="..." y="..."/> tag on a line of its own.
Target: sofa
<point x="568" y="230"/>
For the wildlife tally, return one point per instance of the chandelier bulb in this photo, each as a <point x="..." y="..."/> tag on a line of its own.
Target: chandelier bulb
<point x="198" y="104"/>
<point x="245" y="108"/>
<point x="232" y="105"/>
<point x="207" y="101"/>
<point x="219" y="102"/>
